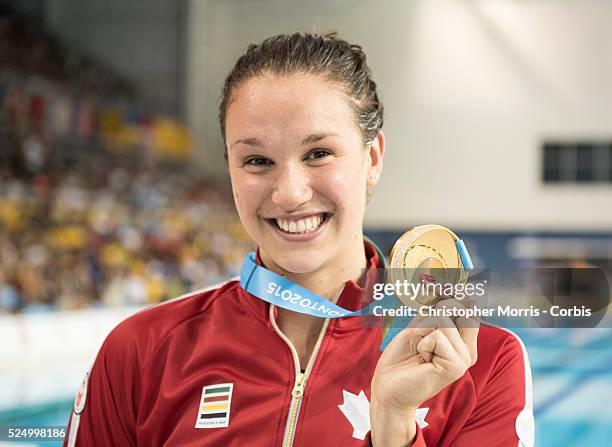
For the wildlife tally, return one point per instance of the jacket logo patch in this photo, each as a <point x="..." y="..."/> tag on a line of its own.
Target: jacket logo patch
<point x="215" y="403"/>
<point x="79" y="401"/>
<point x="356" y="408"/>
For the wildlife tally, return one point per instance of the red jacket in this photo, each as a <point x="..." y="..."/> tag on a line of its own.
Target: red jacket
<point x="212" y="369"/>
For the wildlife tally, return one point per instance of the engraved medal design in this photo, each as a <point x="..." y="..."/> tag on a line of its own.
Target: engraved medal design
<point x="430" y="250"/>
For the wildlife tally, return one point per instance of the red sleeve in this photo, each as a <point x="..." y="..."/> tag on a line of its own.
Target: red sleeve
<point x="504" y="413"/>
<point x="418" y="440"/>
<point x="104" y="412"/>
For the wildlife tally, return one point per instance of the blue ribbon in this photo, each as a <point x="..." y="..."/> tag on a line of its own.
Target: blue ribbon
<point x="281" y="292"/>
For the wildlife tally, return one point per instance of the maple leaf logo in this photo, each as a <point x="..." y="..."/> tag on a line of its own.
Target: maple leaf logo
<point x="356" y="408"/>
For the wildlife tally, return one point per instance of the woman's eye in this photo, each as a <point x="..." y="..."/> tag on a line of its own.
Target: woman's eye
<point x="257" y="161"/>
<point x="318" y="154"/>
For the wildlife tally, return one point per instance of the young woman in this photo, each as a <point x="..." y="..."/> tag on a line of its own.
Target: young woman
<point x="301" y="121"/>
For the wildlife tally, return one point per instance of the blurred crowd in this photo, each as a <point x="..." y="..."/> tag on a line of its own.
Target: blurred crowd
<point x="100" y="203"/>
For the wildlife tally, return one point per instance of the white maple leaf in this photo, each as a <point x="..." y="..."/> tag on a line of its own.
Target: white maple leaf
<point x="356" y="408"/>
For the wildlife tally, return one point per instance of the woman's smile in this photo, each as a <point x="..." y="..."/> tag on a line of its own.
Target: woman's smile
<point x="301" y="228"/>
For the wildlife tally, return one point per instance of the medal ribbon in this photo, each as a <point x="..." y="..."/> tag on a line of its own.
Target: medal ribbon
<point x="281" y="292"/>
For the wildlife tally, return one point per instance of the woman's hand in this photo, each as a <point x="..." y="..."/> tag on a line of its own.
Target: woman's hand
<point x="427" y="356"/>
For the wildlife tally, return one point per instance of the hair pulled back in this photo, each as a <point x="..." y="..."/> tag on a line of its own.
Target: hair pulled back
<point x="304" y="53"/>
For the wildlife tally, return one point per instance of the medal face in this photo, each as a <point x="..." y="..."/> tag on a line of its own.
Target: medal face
<point x="430" y="250"/>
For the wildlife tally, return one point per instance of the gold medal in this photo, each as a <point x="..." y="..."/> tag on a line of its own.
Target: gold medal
<point x="430" y="249"/>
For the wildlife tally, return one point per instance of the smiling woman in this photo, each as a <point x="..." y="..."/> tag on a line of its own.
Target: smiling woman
<point x="296" y="157"/>
<point x="301" y="121"/>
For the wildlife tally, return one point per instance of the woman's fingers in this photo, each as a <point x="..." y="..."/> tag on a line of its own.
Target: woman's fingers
<point x="438" y="349"/>
<point x="425" y="326"/>
<point x="446" y="326"/>
<point x="461" y="331"/>
<point x="467" y="326"/>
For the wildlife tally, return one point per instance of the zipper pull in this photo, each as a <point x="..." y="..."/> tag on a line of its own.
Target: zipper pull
<point x="298" y="389"/>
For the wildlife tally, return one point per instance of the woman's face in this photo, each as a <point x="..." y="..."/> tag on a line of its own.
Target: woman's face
<point x="299" y="169"/>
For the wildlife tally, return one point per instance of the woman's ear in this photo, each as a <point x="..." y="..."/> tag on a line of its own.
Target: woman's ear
<point x="376" y="150"/>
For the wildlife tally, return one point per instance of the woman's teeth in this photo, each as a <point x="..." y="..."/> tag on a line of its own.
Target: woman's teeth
<point x="306" y="225"/>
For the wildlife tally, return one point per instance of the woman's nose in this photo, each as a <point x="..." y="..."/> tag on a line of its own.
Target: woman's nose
<point x="292" y="188"/>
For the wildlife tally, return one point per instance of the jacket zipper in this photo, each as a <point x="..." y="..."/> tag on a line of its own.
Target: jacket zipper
<point x="300" y="378"/>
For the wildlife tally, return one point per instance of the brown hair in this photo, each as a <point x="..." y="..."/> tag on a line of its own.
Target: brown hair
<point x="326" y="55"/>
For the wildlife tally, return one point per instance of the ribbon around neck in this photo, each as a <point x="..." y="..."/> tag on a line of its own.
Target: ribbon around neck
<point x="277" y="290"/>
